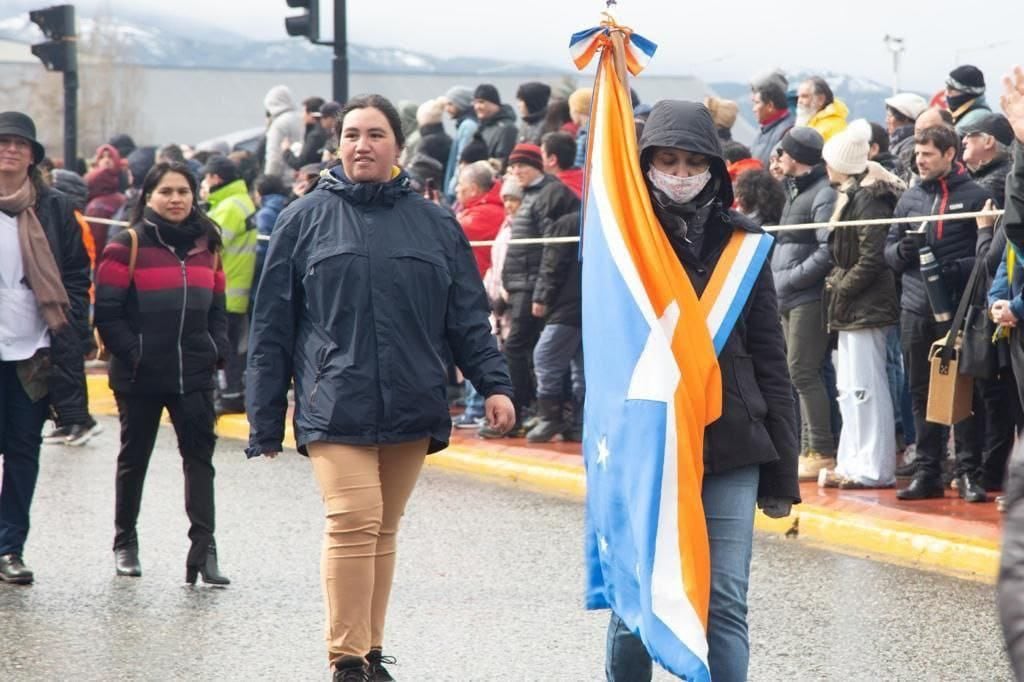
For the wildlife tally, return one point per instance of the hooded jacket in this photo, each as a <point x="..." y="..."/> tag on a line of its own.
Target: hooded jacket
<point x="830" y="120"/>
<point x="231" y="208"/>
<point x="499" y="133"/>
<point x="285" y="122"/>
<point x="370" y="365"/>
<point x="758" y="422"/>
<point x="954" y="242"/>
<point x="801" y="259"/>
<point x="861" y="289"/>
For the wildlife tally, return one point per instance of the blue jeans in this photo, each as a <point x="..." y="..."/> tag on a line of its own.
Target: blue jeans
<point x="898" y="387"/>
<point x="474" y="401"/>
<point x="21" y="435"/>
<point x="729" y="502"/>
<point x="560" y="349"/>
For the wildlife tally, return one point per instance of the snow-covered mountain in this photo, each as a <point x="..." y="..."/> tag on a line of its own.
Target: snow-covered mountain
<point x="141" y="41"/>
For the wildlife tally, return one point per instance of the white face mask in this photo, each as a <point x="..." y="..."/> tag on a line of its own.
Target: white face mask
<point x="679" y="190"/>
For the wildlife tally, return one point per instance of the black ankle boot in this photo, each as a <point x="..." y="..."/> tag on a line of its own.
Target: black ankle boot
<point x="375" y="661"/>
<point x="126" y="561"/>
<point x="208" y="569"/>
<point x="550" y="422"/>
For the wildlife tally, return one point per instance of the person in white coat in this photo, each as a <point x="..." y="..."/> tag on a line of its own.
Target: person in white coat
<point x="284" y="121"/>
<point x="861" y="306"/>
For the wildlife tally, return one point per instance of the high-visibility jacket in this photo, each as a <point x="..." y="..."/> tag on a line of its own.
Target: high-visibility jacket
<point x="230" y="208"/>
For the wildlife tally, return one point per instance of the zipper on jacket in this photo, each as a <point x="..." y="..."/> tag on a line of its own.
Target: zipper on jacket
<point x="184" y="308"/>
<point x="181" y="326"/>
<point x="942" y="206"/>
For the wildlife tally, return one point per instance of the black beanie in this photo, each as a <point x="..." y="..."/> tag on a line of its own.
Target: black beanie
<point x="804" y="145"/>
<point x="967" y="79"/>
<point x="487" y="92"/>
<point x="535" y="95"/>
<point x="475" y="150"/>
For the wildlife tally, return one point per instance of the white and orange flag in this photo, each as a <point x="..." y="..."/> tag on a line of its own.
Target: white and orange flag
<point x="653" y="383"/>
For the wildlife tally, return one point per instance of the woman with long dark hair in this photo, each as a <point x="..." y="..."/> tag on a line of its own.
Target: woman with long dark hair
<point x="160" y="312"/>
<point x="369" y="365"/>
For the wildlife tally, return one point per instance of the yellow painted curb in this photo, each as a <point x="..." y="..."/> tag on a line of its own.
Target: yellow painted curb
<point x="848" y="532"/>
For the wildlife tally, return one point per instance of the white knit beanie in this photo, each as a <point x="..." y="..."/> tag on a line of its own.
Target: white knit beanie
<point x="847" y="151"/>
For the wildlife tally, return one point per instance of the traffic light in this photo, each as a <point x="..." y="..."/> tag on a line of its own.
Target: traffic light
<point x="58" y="24"/>
<point x="306" y="25"/>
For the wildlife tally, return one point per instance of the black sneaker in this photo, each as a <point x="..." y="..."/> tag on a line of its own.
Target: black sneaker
<point x="375" y="666"/>
<point x="58" y="436"/>
<point x="80" y="434"/>
<point x="907" y="470"/>
<point x="350" y="669"/>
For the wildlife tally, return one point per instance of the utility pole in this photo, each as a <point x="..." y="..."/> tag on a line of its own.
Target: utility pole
<point x="307" y="25"/>
<point x="896" y="47"/>
<point x="340" y="63"/>
<point x="60" y="53"/>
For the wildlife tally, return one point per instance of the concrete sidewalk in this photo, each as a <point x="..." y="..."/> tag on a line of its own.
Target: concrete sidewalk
<point x="946" y="535"/>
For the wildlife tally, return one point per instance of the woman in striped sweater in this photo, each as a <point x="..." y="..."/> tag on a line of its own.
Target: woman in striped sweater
<point x="160" y="311"/>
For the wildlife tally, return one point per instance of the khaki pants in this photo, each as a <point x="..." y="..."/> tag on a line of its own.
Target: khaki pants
<point x="364" y="489"/>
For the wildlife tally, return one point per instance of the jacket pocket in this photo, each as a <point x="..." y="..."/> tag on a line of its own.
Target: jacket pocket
<point x="421" y="284"/>
<point x="138" y="360"/>
<point x="746" y="385"/>
<point x="323" y="357"/>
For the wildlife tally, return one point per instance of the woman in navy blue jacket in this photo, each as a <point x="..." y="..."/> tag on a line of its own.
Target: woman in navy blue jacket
<point x="365" y="288"/>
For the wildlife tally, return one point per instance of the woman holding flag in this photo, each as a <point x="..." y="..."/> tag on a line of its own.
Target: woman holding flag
<point x="750" y="453"/>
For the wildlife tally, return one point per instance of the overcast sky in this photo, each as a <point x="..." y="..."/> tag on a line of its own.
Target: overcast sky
<point x="718" y="40"/>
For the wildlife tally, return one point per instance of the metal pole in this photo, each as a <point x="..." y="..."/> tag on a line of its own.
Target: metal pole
<point x="70" y="120"/>
<point x="340" y="62"/>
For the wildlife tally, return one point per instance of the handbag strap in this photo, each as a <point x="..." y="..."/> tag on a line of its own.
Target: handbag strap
<point x="946" y="353"/>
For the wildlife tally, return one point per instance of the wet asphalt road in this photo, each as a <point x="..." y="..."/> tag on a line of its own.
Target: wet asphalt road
<point x="488" y="588"/>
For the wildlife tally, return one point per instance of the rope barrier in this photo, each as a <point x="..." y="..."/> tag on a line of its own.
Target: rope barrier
<point x="537" y="241"/>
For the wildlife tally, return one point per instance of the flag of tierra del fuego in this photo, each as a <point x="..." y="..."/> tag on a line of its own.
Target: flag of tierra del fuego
<point x="653" y="382"/>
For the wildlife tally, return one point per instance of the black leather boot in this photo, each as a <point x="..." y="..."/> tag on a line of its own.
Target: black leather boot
<point x="574" y="422"/>
<point x="126" y="561"/>
<point x="970" y="489"/>
<point x="550" y="422"/>
<point x="13" y="570"/>
<point x="208" y="569"/>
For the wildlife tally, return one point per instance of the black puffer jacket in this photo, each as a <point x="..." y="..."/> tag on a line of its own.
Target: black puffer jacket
<point x="366" y="289"/>
<point x="800" y="259"/>
<point x="861" y="289"/>
<point x="758" y="422"/>
<point x="953" y="241"/>
<point x="559" y="286"/>
<point x="499" y="133"/>
<point x="992" y="176"/>
<point x="68" y="347"/>
<point x="544" y="202"/>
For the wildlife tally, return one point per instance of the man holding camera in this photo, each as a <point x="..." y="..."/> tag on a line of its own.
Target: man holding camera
<point x="945" y="187"/>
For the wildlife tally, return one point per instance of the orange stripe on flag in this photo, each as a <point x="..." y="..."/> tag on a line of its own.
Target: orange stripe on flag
<point x="698" y="401"/>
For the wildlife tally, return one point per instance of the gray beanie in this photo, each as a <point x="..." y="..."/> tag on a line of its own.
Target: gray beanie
<point x="460" y="96"/>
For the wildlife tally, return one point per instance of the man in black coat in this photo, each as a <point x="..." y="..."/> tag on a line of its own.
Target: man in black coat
<point x="945" y="188"/>
<point x="44" y="271"/>
<point x="987" y="154"/>
<point x="319" y="118"/>
<point x="545" y="200"/>
<point x="496" y="122"/>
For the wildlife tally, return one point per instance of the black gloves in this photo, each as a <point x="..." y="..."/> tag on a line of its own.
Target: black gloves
<point x="908" y="249"/>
